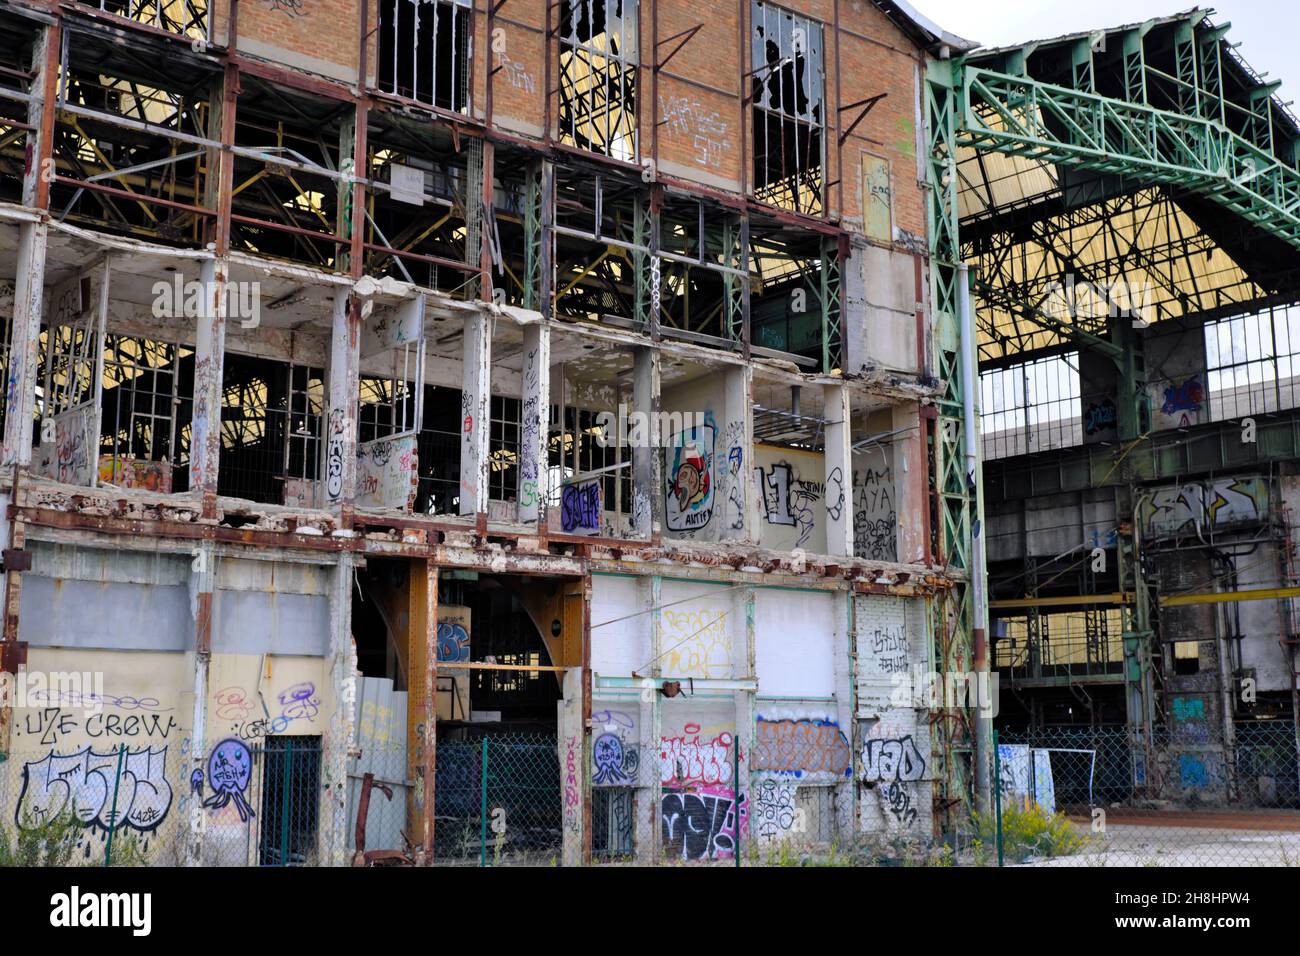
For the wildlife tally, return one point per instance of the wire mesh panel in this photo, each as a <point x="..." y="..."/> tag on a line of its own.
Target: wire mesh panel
<point x="1071" y="796"/>
<point x="498" y="801"/>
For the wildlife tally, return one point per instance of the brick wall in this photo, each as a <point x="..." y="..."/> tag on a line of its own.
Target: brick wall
<point x="698" y="123"/>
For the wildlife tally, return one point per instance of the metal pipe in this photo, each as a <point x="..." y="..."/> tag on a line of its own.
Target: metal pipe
<point x="979" y="607"/>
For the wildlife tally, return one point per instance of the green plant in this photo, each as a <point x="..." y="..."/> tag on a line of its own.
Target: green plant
<point x="1031" y="831"/>
<point x="51" y="843"/>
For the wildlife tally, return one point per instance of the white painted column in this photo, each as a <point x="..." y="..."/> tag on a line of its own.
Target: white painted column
<point x="647" y="462"/>
<point x="29" y="276"/>
<point x="333" y="845"/>
<point x="209" y="361"/>
<point x="24" y="338"/>
<point x="737" y="500"/>
<point x="475" y="406"/>
<point x="839" y="471"/>
<point x="203" y="586"/>
<point x="340" y="471"/>
<point x="652" y="596"/>
<point x="536" y="419"/>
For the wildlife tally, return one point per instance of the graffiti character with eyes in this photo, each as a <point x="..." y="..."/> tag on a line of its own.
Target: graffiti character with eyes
<point x="230" y="768"/>
<point x="691" y="477"/>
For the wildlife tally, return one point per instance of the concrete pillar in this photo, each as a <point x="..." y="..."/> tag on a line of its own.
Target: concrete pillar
<point x="344" y="384"/>
<point x="650" y="849"/>
<point x="839" y="470"/>
<point x="475" y="406"/>
<point x="209" y="359"/>
<point x="536" y="419"/>
<point x="202" y="583"/>
<point x="333" y="846"/>
<point x="746" y="714"/>
<point x="571" y="743"/>
<point x="734" y="465"/>
<point x="647" y="461"/>
<point x="29" y="277"/>
<point x="24" y="337"/>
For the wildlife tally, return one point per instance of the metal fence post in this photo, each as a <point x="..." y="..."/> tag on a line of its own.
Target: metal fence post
<point x="284" y="801"/>
<point x="482" y="806"/>
<point x="735" y="760"/>
<point x="112" y="817"/>
<point x="997" y="794"/>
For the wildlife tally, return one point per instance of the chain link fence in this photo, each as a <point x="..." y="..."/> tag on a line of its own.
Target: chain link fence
<point x="497" y="801"/>
<point x="1077" y="796"/>
<point x="95" y="806"/>
<point x="128" y="806"/>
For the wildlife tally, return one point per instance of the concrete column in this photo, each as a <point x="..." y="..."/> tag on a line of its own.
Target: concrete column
<point x="202" y="583"/>
<point x="340" y="470"/>
<point x="647" y="461"/>
<point x="839" y="470"/>
<point x="734" y="465"/>
<point x="475" y="406"/>
<point x="651" y="736"/>
<point x="536" y="419"/>
<point x="209" y="359"/>
<point x="24" y="337"/>
<point x="333" y="845"/>
<point x="29" y="277"/>
<point x="571" y="744"/>
<point x="746" y="715"/>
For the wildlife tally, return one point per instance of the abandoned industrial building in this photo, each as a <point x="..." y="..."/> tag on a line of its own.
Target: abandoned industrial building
<point x="469" y="431"/>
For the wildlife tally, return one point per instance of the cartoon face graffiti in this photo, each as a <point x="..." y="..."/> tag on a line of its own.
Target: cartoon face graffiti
<point x="230" y="768"/>
<point x="614" y="763"/>
<point x="690" y="485"/>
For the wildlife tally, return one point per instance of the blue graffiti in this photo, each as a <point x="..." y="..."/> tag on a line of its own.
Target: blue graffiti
<point x="1186" y="397"/>
<point x="453" y="643"/>
<point x="614" y="763"/>
<point x="230" y="768"/>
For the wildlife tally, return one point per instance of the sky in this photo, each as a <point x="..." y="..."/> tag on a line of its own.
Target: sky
<point x="1268" y="30"/>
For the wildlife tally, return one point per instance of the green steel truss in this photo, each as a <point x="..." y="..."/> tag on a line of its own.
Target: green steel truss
<point x="1024" y="117"/>
<point x="1194" y="134"/>
<point x="951" y="735"/>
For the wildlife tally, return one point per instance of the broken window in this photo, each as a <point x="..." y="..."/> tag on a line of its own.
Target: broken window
<point x="270" y="427"/>
<point x="576" y="450"/>
<point x="186" y="17"/>
<point x="1031" y="406"/>
<point x="1253" y="363"/>
<point x="503" y="448"/>
<point x="598" y="76"/>
<point x="147" y="406"/>
<point x="788" y="79"/>
<point x="424" y="51"/>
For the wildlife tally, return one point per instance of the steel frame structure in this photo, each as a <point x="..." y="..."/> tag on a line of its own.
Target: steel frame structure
<point x="1167" y="105"/>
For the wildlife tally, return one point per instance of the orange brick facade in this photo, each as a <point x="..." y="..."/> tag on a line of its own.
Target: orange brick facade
<point x="693" y="119"/>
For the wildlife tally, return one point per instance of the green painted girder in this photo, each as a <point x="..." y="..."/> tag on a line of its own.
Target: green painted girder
<point x="1165" y="456"/>
<point x="1113" y="136"/>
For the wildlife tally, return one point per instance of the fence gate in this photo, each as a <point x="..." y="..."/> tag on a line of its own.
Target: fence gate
<point x="498" y="801"/>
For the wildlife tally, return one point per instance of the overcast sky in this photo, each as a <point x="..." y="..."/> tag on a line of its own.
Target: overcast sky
<point x="1268" y="30"/>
